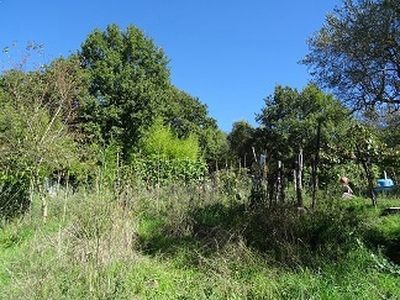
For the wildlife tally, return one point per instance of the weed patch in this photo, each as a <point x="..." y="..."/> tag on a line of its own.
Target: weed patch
<point x="186" y="242"/>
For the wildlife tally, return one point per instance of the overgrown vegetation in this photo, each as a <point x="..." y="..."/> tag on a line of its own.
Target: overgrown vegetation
<point x="114" y="184"/>
<point x="196" y="242"/>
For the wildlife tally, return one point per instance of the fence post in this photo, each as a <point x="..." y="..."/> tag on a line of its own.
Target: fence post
<point x="280" y="193"/>
<point x="299" y="179"/>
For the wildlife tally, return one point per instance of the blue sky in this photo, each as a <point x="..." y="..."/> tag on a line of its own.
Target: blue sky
<point x="229" y="54"/>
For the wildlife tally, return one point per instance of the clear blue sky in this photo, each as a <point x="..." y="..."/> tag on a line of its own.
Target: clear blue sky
<point x="229" y="54"/>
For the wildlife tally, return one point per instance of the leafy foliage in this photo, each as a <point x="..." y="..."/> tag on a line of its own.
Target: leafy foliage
<point x="129" y="77"/>
<point x="14" y="195"/>
<point x="161" y="171"/>
<point x="241" y="140"/>
<point x="161" y="141"/>
<point x="36" y="109"/>
<point x="188" y="116"/>
<point x="130" y="89"/>
<point x="355" y="53"/>
<point x="166" y="158"/>
<point x="290" y="120"/>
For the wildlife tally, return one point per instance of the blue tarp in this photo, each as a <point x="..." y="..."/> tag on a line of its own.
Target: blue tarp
<point x="384" y="185"/>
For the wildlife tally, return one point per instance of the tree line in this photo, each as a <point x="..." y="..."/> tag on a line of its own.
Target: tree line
<point x="113" y="100"/>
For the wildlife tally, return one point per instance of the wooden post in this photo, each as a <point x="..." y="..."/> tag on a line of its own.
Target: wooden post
<point x="254" y="154"/>
<point x="280" y="193"/>
<point x="370" y="176"/>
<point x="299" y="178"/>
<point x="370" y="179"/>
<point x="314" y="167"/>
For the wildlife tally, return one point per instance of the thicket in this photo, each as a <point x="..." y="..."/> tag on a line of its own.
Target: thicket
<point x="110" y="105"/>
<point x="196" y="241"/>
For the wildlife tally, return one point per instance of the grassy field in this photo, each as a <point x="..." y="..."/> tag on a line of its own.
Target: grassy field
<point x="197" y="242"/>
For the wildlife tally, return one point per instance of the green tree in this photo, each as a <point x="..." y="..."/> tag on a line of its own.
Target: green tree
<point x="188" y="116"/>
<point x="390" y="136"/>
<point x="369" y="151"/>
<point x="384" y="125"/>
<point x="130" y="88"/>
<point x="356" y="53"/>
<point x="309" y="121"/>
<point x="38" y="110"/>
<point x="241" y="140"/>
<point x="129" y="82"/>
<point x="214" y="146"/>
<point x="290" y="119"/>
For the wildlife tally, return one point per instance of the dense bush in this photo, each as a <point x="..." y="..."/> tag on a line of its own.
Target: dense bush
<point x="14" y="196"/>
<point x="155" y="170"/>
<point x="161" y="141"/>
<point x="299" y="238"/>
<point x="384" y="235"/>
<point x="184" y="241"/>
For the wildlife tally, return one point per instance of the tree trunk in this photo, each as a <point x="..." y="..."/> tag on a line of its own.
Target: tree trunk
<point x="43" y="199"/>
<point x="280" y="193"/>
<point x="41" y="190"/>
<point x="299" y="179"/>
<point x="370" y="179"/>
<point x="315" y="164"/>
<point x="44" y="208"/>
<point x="370" y="176"/>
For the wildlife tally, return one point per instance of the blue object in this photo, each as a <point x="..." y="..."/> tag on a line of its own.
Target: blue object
<point x="385" y="182"/>
<point x="384" y="185"/>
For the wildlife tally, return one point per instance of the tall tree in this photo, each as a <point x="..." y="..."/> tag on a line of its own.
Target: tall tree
<point x="129" y="79"/>
<point x="309" y="121"/>
<point x="357" y="53"/>
<point x="188" y="116"/>
<point x="241" y="140"/>
<point x="290" y="119"/>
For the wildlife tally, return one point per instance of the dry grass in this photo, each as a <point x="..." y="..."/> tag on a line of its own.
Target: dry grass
<point x="172" y="243"/>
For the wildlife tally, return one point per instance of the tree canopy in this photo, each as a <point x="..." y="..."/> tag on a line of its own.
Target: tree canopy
<point x="130" y="88"/>
<point x="114" y="100"/>
<point x="241" y="140"/>
<point x="129" y="77"/>
<point x="356" y="53"/>
<point x="289" y="121"/>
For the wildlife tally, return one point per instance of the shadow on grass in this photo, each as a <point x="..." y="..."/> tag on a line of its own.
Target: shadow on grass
<point x="204" y="230"/>
<point x="281" y="234"/>
<point x="384" y="236"/>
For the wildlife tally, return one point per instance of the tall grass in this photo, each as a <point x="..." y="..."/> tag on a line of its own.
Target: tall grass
<point x="192" y="242"/>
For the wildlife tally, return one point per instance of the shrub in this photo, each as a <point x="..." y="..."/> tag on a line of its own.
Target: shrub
<point x="302" y="238"/>
<point x="384" y="235"/>
<point x="14" y="196"/>
<point x="161" y="141"/>
<point x="163" y="171"/>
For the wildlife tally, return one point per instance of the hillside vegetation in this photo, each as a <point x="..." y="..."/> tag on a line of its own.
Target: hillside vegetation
<point x="116" y="184"/>
<point x="197" y="242"/>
